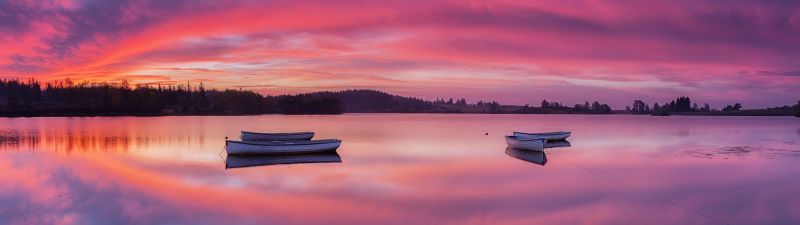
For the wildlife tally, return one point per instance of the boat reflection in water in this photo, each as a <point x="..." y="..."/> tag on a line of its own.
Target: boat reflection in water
<point x="239" y="161"/>
<point x="557" y="144"/>
<point x="536" y="157"/>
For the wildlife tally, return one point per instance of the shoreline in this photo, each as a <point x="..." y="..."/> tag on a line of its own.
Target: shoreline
<point x="65" y="115"/>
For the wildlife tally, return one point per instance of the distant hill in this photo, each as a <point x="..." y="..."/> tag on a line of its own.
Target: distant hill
<point x="372" y="101"/>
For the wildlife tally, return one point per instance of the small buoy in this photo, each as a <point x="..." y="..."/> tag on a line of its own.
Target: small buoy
<point x="487" y="134"/>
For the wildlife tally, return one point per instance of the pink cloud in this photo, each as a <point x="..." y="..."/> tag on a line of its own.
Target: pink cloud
<point x="427" y="49"/>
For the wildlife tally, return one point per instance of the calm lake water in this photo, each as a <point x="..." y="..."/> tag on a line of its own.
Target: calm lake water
<point x="404" y="169"/>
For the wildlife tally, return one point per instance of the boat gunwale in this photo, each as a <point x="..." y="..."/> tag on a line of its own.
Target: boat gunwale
<point x="518" y="138"/>
<point x="546" y="133"/>
<point x="286" y="143"/>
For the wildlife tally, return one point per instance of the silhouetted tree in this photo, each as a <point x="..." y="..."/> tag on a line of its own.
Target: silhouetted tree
<point x="461" y="102"/>
<point x="797" y="109"/>
<point x="669" y="107"/>
<point x="682" y="104"/>
<point x="495" y="107"/>
<point x="730" y="108"/>
<point x="598" y="108"/>
<point x="640" y="107"/>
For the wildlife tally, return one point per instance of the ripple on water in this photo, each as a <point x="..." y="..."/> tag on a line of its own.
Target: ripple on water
<point x="734" y="152"/>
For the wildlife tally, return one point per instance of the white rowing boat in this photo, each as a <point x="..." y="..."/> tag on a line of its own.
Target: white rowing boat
<point x="535" y="157"/>
<point x="238" y="161"/>
<point x="550" y="136"/>
<point x="525" y="143"/>
<point x="280" y="147"/>
<point x="256" y="136"/>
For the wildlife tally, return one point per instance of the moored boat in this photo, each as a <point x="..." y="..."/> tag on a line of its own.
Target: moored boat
<point x="525" y="143"/>
<point x="550" y="136"/>
<point x="238" y="161"/>
<point x="256" y="136"/>
<point x="280" y="147"/>
<point x="535" y="157"/>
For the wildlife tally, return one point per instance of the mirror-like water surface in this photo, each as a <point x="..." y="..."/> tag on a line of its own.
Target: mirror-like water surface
<point x="403" y="169"/>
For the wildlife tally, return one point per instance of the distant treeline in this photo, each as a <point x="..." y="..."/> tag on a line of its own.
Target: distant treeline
<point x="683" y="106"/>
<point x="546" y="107"/>
<point x="68" y="98"/>
<point x="555" y="107"/>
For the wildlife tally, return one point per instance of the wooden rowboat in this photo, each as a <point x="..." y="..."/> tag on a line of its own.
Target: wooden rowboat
<point x="255" y="136"/>
<point x="525" y="143"/>
<point x="280" y="147"/>
<point x="239" y="161"/>
<point x="550" y="136"/>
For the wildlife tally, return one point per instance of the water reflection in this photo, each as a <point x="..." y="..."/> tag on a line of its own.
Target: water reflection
<point x="535" y="157"/>
<point x="557" y="144"/>
<point x="735" y="152"/>
<point x="238" y="161"/>
<point x="400" y="169"/>
<point x="68" y="141"/>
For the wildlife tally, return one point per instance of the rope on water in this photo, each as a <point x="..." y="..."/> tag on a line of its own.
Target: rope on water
<point x="220" y="154"/>
<point x="673" y="203"/>
<point x="224" y="160"/>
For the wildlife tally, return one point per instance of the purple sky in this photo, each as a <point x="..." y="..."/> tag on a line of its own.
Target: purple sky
<point x="515" y="52"/>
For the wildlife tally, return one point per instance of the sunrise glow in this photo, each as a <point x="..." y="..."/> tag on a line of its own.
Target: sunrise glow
<point x="515" y="52"/>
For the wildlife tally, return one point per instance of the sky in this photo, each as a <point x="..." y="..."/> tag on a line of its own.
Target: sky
<point x="511" y="51"/>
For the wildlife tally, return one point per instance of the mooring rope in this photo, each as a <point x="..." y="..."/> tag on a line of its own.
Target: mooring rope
<point x="220" y="154"/>
<point x="224" y="160"/>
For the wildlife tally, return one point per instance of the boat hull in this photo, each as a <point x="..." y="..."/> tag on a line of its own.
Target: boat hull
<point x="239" y="161"/>
<point x="280" y="147"/>
<point x="550" y="136"/>
<point x="255" y="136"/>
<point x="526" y="144"/>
